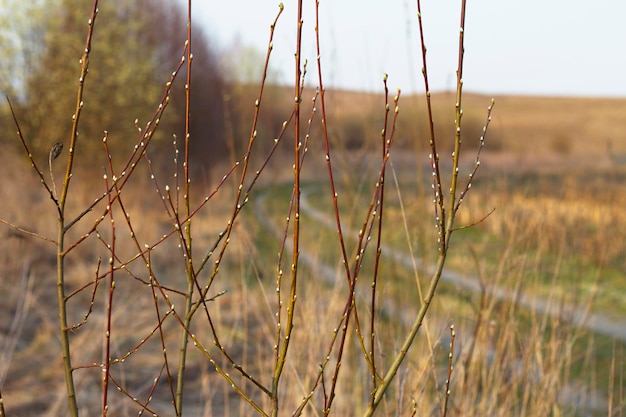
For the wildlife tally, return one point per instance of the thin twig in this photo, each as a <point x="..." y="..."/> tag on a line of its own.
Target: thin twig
<point x="55" y="151"/>
<point x="450" y="367"/>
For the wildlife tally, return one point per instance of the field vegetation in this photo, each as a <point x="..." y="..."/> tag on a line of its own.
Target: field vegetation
<point x="202" y="245"/>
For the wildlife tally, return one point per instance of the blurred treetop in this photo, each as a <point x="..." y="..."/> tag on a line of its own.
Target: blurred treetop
<point x="136" y="46"/>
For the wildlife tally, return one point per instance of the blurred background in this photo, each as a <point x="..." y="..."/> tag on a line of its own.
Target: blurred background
<point x="536" y="287"/>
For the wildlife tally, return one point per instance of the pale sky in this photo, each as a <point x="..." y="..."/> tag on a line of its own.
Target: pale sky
<point x="547" y="47"/>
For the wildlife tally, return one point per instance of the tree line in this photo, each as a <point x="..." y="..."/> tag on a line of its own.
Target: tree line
<point x="139" y="43"/>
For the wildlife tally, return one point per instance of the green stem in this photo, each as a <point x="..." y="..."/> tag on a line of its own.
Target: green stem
<point x="65" y="337"/>
<point x="182" y="359"/>
<point x="417" y="324"/>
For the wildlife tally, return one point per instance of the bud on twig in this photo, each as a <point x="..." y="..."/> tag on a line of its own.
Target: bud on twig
<point x="56" y="150"/>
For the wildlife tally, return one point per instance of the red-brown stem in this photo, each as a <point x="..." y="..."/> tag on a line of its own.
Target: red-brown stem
<point x="381" y="182"/>
<point x="79" y="107"/>
<point x="444" y="225"/>
<point x="434" y="156"/>
<point x="109" y="311"/>
<point x="328" y="398"/>
<point x="333" y="189"/>
<point x="238" y="202"/>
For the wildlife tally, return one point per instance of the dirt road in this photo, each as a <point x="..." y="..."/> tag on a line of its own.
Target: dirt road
<point x="598" y="323"/>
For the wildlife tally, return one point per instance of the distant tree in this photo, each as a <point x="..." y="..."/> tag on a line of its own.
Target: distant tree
<point x="137" y="44"/>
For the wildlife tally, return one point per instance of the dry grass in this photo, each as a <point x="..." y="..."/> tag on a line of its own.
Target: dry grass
<point x="550" y="213"/>
<point x="531" y="132"/>
<point x="132" y="276"/>
<point x="572" y="127"/>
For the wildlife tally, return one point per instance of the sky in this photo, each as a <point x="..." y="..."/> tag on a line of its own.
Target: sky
<point x="536" y="47"/>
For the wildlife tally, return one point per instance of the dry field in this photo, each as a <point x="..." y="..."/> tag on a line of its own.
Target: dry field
<point x="553" y="169"/>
